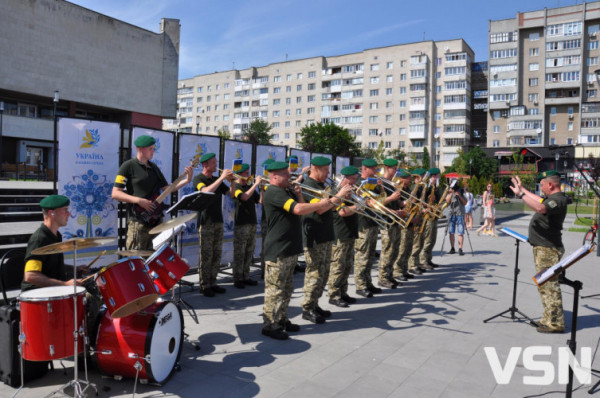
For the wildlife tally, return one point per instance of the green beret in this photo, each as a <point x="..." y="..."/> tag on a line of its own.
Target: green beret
<point x="274" y="166"/>
<point x="369" y="163"/>
<point x="54" y="202"/>
<point x="291" y="157"/>
<point x="548" y="173"/>
<point x="402" y="173"/>
<point x="320" y="161"/>
<point x="245" y="166"/>
<point x="268" y="162"/>
<point x="418" y="172"/>
<point x="207" y="156"/>
<point x="434" y="170"/>
<point x="390" y="162"/>
<point x="144" y="141"/>
<point x="349" y="170"/>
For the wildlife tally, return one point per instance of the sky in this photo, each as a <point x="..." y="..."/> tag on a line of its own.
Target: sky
<point x="219" y="35"/>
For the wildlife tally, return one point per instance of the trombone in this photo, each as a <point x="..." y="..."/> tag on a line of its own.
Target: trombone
<point x="376" y="205"/>
<point x="235" y="175"/>
<point x="408" y="195"/>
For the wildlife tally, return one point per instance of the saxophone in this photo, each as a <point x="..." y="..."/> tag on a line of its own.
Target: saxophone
<point x="429" y="215"/>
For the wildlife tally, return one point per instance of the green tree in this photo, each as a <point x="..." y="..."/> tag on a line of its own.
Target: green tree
<point x="257" y="133"/>
<point x="426" y="161"/>
<point x="397" y="154"/>
<point x="474" y="162"/>
<point x="371" y="153"/>
<point x="328" y="138"/>
<point x="224" y="134"/>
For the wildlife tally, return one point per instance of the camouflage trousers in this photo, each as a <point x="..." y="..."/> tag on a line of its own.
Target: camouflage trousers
<point x="417" y="246"/>
<point x="263" y="234"/>
<point x="364" y="256"/>
<point x="279" y="286"/>
<point x="244" y="240"/>
<point x="318" y="261"/>
<point x="390" y="247"/>
<point x="210" y="237"/>
<point x="429" y="238"/>
<point x="138" y="236"/>
<point x="544" y="258"/>
<point x="341" y="265"/>
<point x="406" y="244"/>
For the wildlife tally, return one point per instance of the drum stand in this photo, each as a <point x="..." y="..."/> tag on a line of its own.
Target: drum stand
<point x="76" y="382"/>
<point x="513" y="308"/>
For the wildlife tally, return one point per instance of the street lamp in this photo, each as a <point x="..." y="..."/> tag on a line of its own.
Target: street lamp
<point x="556" y="157"/>
<point x="55" y="176"/>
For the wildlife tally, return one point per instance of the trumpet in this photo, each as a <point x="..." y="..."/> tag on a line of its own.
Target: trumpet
<point x="238" y="176"/>
<point x="408" y="196"/>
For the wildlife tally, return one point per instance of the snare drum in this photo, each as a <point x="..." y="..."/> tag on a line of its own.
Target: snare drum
<point x="47" y="316"/>
<point x="126" y="287"/>
<point x="151" y="338"/>
<point x="166" y="268"/>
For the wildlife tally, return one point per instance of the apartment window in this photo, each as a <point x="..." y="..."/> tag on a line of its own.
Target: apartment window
<point x="275" y="113"/>
<point x="533" y="52"/>
<point x="200" y="89"/>
<point x="533" y="111"/>
<point x="276" y="79"/>
<point x="276" y="101"/>
<point x="374" y="67"/>
<point x="312" y="74"/>
<point x="275" y="124"/>
<point x="401" y="144"/>
<point x="402" y="131"/>
<point x="373" y="105"/>
<point x="311" y="86"/>
<point x="532" y="97"/>
<point x="534" y="36"/>
<point x="298" y="111"/>
<point x="225" y="107"/>
<point x="593" y="45"/>
<point x="570" y="126"/>
<point x="402" y="104"/>
<point x="389" y="65"/>
<point x="374" y="79"/>
<point x="388" y="104"/>
<point x="534" y="66"/>
<point x="417" y="73"/>
<point x="552" y="126"/>
<point x="553" y="110"/>
<point x="403" y="76"/>
<point x="226" y="96"/>
<point x="438" y="102"/>
<point x="373" y="93"/>
<point x="388" y="131"/>
<point x="496" y="129"/>
<point x="288" y="89"/>
<point x="533" y="81"/>
<point x="388" y="91"/>
<point x="388" y="118"/>
<point x="299" y="76"/>
<point x="373" y="119"/>
<point x="592" y="61"/>
<point x="287" y="124"/>
<point x="310" y="110"/>
<point x="299" y="87"/>
<point x="570" y="111"/>
<point x="288" y="112"/>
<point x="438" y="89"/>
<point x="372" y="132"/>
<point x="276" y="90"/>
<point x="569" y="141"/>
<point x="288" y="78"/>
<point x="389" y="78"/>
<point x="227" y="85"/>
<point x="592" y="93"/>
<point x="496" y="143"/>
<point x="311" y="98"/>
<point x="298" y="100"/>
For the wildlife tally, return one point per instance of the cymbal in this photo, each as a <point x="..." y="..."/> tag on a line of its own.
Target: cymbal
<point x="131" y="253"/>
<point x="172" y="223"/>
<point x="71" y="244"/>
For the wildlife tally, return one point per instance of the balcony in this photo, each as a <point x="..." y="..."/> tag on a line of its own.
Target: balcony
<point x="499" y="105"/>
<point x="457" y="105"/>
<point x="417" y="107"/>
<point x="454" y="134"/>
<point x="27" y="127"/>
<point x="416" y="135"/>
<point x="523" y="132"/>
<point x="560" y="84"/>
<point x="561" y="100"/>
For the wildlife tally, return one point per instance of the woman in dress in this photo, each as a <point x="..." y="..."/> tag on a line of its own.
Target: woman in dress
<point x="489" y="213"/>
<point x="468" y="207"/>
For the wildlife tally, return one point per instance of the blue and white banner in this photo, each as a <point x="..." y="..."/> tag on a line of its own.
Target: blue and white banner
<point x="340" y="163"/>
<point x="234" y="150"/>
<point x="88" y="161"/>
<point x="191" y="148"/>
<point x="163" y="151"/>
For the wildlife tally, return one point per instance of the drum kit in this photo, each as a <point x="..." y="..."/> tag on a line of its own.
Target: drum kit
<point x="138" y="335"/>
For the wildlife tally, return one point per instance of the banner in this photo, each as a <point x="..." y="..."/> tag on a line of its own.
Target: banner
<point x="303" y="158"/>
<point x="340" y="163"/>
<point x="192" y="146"/>
<point x="234" y="150"/>
<point x="88" y="161"/>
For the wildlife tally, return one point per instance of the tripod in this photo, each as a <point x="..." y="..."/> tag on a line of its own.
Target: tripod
<point x="466" y="231"/>
<point x="513" y="308"/>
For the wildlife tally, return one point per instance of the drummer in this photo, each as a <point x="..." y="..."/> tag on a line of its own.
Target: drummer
<point x="47" y="270"/>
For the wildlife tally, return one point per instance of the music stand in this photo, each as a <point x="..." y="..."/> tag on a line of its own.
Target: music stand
<point x="513" y="308"/>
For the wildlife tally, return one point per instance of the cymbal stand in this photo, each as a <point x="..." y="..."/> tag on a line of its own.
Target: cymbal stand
<point x="76" y="382"/>
<point x="178" y="240"/>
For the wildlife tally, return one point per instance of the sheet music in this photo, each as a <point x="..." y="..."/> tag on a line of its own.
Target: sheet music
<point x="515" y="234"/>
<point x="196" y="193"/>
<point x="542" y="277"/>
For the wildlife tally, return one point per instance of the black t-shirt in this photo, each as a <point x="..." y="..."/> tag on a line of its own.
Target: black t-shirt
<point x="52" y="265"/>
<point x="345" y="227"/>
<point x="316" y="228"/>
<point x="142" y="181"/>
<point x="284" y="228"/>
<point x="245" y="211"/>
<point x="545" y="229"/>
<point x="213" y="213"/>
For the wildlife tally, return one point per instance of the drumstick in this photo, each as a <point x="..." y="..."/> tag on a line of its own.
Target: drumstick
<point x="96" y="259"/>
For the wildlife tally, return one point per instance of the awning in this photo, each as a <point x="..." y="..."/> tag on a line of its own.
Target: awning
<point x="457" y="176"/>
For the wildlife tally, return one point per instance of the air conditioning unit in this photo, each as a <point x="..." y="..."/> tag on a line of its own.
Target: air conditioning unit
<point x="535" y="103"/>
<point x="590" y="83"/>
<point x="593" y="34"/>
<point x="570" y="116"/>
<point x="446" y="49"/>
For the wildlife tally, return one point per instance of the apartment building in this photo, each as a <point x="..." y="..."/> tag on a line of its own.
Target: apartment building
<point x="543" y="78"/>
<point x="408" y="96"/>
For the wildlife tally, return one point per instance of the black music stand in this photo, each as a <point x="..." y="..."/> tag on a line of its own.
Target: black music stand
<point x="513" y="308"/>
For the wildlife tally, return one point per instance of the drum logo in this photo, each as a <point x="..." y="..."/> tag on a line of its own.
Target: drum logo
<point x="165" y="319"/>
